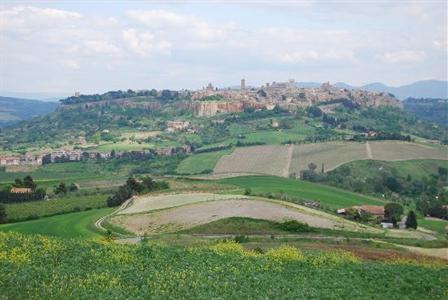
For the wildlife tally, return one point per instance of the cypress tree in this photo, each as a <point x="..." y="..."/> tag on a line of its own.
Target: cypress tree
<point x="411" y="221"/>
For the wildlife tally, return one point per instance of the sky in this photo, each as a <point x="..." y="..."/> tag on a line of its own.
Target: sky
<point x="96" y="46"/>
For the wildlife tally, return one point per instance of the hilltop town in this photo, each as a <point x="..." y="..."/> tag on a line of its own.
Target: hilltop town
<point x="210" y="100"/>
<point x="286" y="95"/>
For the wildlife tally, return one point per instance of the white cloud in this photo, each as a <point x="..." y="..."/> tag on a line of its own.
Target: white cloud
<point x="402" y="56"/>
<point x="440" y="44"/>
<point x="145" y="43"/>
<point x="264" y="40"/>
<point x="166" y="21"/>
<point x="71" y="64"/>
<point x="28" y="19"/>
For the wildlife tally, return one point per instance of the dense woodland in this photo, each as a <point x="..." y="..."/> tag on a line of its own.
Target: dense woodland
<point x="431" y="110"/>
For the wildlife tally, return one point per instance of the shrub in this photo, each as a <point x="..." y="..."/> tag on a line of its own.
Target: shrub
<point x="2" y="213"/>
<point x="294" y="226"/>
<point x="285" y="253"/>
<point x="228" y="247"/>
<point x="241" y="239"/>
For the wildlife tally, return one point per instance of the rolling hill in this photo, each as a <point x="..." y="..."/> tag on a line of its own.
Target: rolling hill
<point x="419" y="89"/>
<point x="13" y="110"/>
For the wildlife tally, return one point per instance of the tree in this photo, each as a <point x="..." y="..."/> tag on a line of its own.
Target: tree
<point x="323" y="169"/>
<point x="29" y="183"/>
<point x="392" y="184"/>
<point x="392" y="211"/>
<point x="60" y="189"/>
<point x="18" y="183"/>
<point x="312" y="167"/>
<point x="411" y="221"/>
<point x="73" y="187"/>
<point x="148" y="182"/>
<point x="134" y="185"/>
<point x="2" y="213"/>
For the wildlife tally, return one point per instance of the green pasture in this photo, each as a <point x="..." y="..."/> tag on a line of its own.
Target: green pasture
<point x="73" y="225"/>
<point x="70" y="203"/>
<point x="201" y="162"/>
<point x="330" y="197"/>
<point x="440" y="226"/>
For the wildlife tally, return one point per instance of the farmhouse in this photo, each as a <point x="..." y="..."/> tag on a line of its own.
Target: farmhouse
<point x="9" y="161"/>
<point x="172" y="126"/>
<point x="374" y="210"/>
<point x="16" y="190"/>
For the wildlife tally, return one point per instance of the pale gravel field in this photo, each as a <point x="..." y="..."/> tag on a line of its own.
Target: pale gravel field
<point x="270" y="160"/>
<point x="331" y="155"/>
<point x="188" y="216"/>
<point x="148" y="203"/>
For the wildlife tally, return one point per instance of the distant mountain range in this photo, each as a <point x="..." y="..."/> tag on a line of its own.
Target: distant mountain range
<point x="419" y="89"/>
<point x="13" y="110"/>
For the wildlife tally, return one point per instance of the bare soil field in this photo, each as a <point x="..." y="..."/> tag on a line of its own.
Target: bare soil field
<point x="188" y="216"/>
<point x="331" y="155"/>
<point x="185" y="211"/>
<point x="395" y="150"/>
<point x="148" y="203"/>
<point x="281" y="161"/>
<point x="271" y="160"/>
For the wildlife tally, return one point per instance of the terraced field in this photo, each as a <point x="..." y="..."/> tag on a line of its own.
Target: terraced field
<point x="284" y="160"/>
<point x="170" y="213"/>
<point x="148" y="203"/>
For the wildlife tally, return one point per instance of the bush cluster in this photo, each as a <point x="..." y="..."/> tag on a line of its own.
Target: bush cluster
<point x="133" y="187"/>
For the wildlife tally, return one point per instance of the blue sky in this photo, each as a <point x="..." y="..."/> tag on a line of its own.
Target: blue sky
<point x="87" y="46"/>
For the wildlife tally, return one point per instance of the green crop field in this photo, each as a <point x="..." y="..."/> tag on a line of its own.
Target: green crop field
<point x="34" y="209"/>
<point x="330" y="197"/>
<point x="73" y="171"/>
<point x="197" y="163"/>
<point x="73" y="225"/>
<point x="51" y="268"/>
<point x="440" y="226"/>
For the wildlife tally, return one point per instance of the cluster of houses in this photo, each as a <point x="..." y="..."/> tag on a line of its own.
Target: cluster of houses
<point x="376" y="211"/>
<point x="63" y="155"/>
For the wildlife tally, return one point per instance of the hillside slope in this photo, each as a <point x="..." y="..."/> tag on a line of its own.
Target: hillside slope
<point x="13" y="110"/>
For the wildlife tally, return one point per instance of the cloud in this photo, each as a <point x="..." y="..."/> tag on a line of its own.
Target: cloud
<point x="307" y="40"/>
<point x="29" y="19"/>
<point x="145" y="43"/>
<point x="71" y="64"/>
<point x="162" y="20"/>
<point x="402" y="56"/>
<point x="440" y="44"/>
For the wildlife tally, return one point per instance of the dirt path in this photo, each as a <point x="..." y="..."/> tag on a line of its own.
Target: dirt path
<point x="98" y="223"/>
<point x="288" y="161"/>
<point x="369" y="151"/>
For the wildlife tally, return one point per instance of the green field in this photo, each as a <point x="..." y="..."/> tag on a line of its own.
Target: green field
<point x="34" y="209"/>
<point x="197" y="163"/>
<point x="73" y="225"/>
<point x="329" y="197"/>
<point x="417" y="168"/>
<point x="238" y="225"/>
<point x="50" y="268"/>
<point x="439" y="226"/>
<point x="73" y="171"/>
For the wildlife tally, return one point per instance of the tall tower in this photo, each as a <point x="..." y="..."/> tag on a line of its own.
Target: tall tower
<point x="243" y="84"/>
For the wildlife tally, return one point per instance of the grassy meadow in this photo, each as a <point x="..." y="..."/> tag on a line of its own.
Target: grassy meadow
<point x="73" y="225"/>
<point x="198" y="163"/>
<point x="70" y="203"/>
<point x="329" y="197"/>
